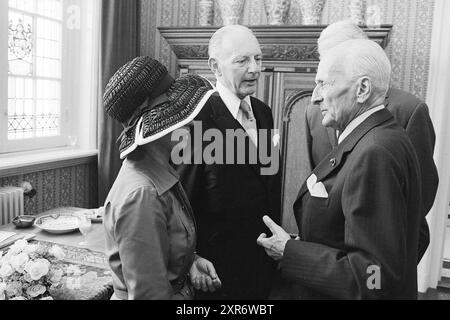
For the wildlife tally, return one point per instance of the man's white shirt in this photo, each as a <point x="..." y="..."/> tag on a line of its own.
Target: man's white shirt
<point x="355" y="123"/>
<point x="233" y="104"/>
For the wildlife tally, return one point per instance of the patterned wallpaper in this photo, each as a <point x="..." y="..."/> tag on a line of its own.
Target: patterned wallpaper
<point x="74" y="186"/>
<point x="409" y="49"/>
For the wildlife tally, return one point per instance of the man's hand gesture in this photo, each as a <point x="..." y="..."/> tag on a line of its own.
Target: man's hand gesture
<point x="274" y="245"/>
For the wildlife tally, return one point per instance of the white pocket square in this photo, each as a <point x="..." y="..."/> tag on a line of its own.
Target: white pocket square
<point x="276" y="140"/>
<point x="316" y="189"/>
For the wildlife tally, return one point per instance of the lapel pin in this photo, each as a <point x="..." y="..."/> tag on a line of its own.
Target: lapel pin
<point x="333" y="162"/>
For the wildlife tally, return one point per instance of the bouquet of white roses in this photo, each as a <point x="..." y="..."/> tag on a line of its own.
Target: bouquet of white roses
<point x="28" y="271"/>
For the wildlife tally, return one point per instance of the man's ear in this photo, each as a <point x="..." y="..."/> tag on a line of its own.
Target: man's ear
<point x="214" y="66"/>
<point x="364" y="90"/>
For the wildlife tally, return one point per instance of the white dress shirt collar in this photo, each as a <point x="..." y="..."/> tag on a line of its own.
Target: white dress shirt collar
<point x="357" y="122"/>
<point x="232" y="101"/>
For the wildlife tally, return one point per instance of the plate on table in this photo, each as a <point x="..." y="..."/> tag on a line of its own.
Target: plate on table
<point x="58" y="223"/>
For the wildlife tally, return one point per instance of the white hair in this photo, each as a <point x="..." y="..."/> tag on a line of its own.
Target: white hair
<point x="338" y="33"/>
<point x="363" y="58"/>
<point x="215" y="43"/>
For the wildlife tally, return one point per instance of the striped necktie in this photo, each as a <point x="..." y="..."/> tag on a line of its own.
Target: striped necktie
<point x="249" y="122"/>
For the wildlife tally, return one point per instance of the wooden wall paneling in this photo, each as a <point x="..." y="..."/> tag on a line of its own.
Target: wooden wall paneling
<point x="409" y="48"/>
<point x="295" y="167"/>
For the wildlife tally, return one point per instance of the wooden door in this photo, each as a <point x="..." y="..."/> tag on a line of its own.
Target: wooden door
<point x="291" y="97"/>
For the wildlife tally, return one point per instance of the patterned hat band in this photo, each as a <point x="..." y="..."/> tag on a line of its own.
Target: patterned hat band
<point x="145" y="107"/>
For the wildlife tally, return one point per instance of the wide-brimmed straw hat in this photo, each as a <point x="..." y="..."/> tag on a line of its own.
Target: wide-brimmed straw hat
<point x="129" y="98"/>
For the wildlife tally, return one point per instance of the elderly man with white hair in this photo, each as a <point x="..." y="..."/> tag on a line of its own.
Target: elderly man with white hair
<point x="410" y="113"/>
<point x="359" y="212"/>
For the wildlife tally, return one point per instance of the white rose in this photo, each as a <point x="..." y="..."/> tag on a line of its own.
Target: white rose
<point x="27" y="277"/>
<point x="18" y="298"/>
<point x="6" y="270"/>
<point x="31" y="248"/>
<point x="46" y="298"/>
<point x="14" y="289"/>
<point x="56" y="276"/>
<point x="18" y="247"/>
<point x="18" y="262"/>
<point x="57" y="252"/>
<point x="37" y="290"/>
<point x="38" y="268"/>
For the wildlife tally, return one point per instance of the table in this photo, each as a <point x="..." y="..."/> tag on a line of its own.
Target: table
<point x="94" y="282"/>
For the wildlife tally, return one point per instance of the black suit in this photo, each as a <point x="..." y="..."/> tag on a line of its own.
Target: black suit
<point x="412" y="115"/>
<point x="229" y="201"/>
<point x="371" y="217"/>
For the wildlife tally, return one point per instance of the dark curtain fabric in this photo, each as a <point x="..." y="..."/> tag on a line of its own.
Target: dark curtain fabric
<point x="119" y="44"/>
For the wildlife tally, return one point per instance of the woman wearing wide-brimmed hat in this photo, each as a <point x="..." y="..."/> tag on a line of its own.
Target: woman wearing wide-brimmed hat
<point x="150" y="227"/>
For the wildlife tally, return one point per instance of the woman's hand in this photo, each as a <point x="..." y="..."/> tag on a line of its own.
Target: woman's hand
<point x="203" y="275"/>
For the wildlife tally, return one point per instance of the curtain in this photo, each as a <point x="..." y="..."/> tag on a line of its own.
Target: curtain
<point x="429" y="272"/>
<point x="119" y="44"/>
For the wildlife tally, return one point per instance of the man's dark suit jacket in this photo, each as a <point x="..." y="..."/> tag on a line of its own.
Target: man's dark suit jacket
<point x="229" y="202"/>
<point x="370" y="218"/>
<point x="412" y="115"/>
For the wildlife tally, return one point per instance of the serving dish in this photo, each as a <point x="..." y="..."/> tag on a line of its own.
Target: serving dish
<point x="24" y="221"/>
<point x="58" y="223"/>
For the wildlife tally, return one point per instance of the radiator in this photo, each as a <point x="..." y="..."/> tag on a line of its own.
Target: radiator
<point x="11" y="204"/>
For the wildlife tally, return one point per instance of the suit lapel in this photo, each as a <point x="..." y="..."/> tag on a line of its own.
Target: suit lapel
<point x="333" y="161"/>
<point x="332" y="136"/>
<point x="225" y="120"/>
<point x="222" y="116"/>
<point x="261" y="120"/>
<point x="263" y="123"/>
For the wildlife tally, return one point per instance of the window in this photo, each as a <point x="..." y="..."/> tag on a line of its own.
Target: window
<point x="43" y="53"/>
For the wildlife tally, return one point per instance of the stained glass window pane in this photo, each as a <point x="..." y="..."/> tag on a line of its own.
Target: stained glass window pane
<point x="20" y="119"/>
<point x="20" y="83"/>
<point x="48" y="68"/>
<point x="35" y="48"/>
<point x="50" y="8"/>
<point x="47" y="89"/>
<point x="49" y="30"/>
<point x="24" y="5"/>
<point x="11" y="88"/>
<point x="11" y="107"/>
<point x="47" y="108"/>
<point x="28" y="89"/>
<point x="20" y="44"/>
<point x="48" y="49"/>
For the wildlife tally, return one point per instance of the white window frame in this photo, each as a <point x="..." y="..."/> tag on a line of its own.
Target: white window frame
<point x="67" y="81"/>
